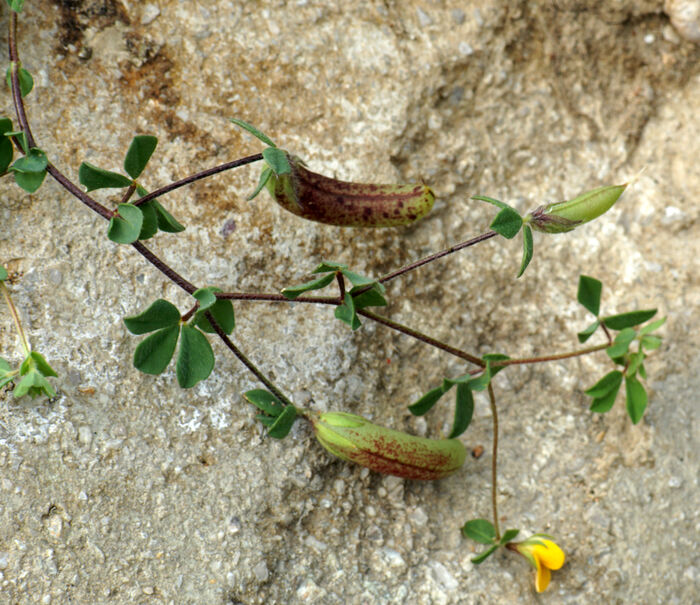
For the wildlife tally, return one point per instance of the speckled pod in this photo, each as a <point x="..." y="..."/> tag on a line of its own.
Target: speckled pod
<point x="326" y="200"/>
<point x="387" y="451"/>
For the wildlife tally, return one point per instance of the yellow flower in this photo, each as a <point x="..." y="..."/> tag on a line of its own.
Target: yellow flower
<point x="544" y="555"/>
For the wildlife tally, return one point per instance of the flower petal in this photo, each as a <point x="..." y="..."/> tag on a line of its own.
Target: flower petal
<point x="550" y="555"/>
<point x="542" y="577"/>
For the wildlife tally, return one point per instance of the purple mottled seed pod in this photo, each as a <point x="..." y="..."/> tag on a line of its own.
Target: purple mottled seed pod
<point x="387" y="451"/>
<point x="325" y="200"/>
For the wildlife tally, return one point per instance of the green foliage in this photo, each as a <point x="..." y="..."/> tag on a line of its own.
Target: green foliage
<point x="293" y="292"/>
<point x="636" y="398"/>
<point x="584" y="335"/>
<point x="464" y="399"/>
<point x="15" y="5"/>
<point x="160" y="314"/>
<point x="589" y="291"/>
<point x="33" y="371"/>
<point x="165" y="220"/>
<point x="277" y="160"/>
<point x="480" y="530"/>
<point x="3" y="273"/>
<point x="628" y="320"/>
<point x="153" y="354"/>
<point x="94" y="178"/>
<point x="195" y="359"/>
<point x="366" y="292"/>
<point x="26" y="82"/>
<point x="30" y="169"/>
<point x="265" y="175"/>
<point x="527" y="249"/>
<point x="6" y="147"/>
<point x="125" y="227"/>
<point x="254" y="131"/>
<point x="464" y="410"/>
<point x="604" y="392"/>
<point x="283" y="423"/>
<point x="221" y="311"/>
<point x="483" y="532"/>
<point x="507" y="222"/>
<point x="7" y="374"/>
<point x="149" y="227"/>
<point x="21" y="137"/>
<point x="347" y="313"/>
<point x="140" y="151"/>
<point x="276" y="416"/>
<point x="426" y="403"/>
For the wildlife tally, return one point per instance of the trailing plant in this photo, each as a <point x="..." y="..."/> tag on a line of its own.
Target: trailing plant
<point x="137" y="215"/>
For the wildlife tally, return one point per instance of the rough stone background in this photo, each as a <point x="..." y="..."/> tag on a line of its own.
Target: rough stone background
<point x="126" y="489"/>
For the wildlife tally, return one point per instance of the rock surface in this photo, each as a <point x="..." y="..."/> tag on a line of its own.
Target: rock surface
<point x="127" y="489"/>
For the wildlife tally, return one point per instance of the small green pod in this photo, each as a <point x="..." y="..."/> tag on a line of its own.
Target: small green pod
<point x="565" y="216"/>
<point x="325" y="200"/>
<point x="355" y="439"/>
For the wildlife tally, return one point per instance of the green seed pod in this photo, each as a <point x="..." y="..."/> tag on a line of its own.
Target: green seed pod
<point x="387" y="451"/>
<point x="566" y="216"/>
<point x="325" y="200"/>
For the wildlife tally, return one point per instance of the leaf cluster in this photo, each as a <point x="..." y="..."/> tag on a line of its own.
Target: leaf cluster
<point x="276" y="160"/>
<point x="508" y="223"/>
<point x="464" y="398"/>
<point x="277" y="417"/>
<point x="604" y="392"/>
<point x="163" y="323"/>
<point x="484" y="532"/>
<point x="131" y="222"/>
<point x="366" y="292"/>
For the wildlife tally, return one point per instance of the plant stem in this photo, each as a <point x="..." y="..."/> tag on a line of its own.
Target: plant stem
<point x="494" y="462"/>
<point x="15" y="318"/>
<point x="422" y="337"/>
<point x="435" y="256"/>
<point x="197" y="176"/>
<point x="247" y="362"/>
<point x="556" y="357"/>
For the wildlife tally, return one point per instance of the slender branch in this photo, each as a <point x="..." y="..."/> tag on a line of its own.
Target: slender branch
<point x="329" y="300"/>
<point x="247" y="362"/>
<point x="607" y="333"/>
<point x="197" y="176"/>
<point x="556" y="357"/>
<point x="422" y="337"/>
<point x="255" y="296"/>
<point x="165" y="269"/>
<point x="15" y="318"/>
<point x="494" y="462"/>
<point x="435" y="256"/>
<point x="14" y="77"/>
<point x="128" y="193"/>
<point x="341" y="286"/>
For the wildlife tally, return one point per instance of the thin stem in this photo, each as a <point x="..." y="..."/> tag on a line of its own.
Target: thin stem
<point x="436" y="255"/>
<point x="165" y="269"/>
<point x="341" y="286"/>
<point x="128" y="193"/>
<point x="494" y="462"/>
<point x="607" y="333"/>
<point x="422" y="337"/>
<point x="557" y="357"/>
<point x="15" y="318"/>
<point x="247" y="362"/>
<point x="14" y="78"/>
<point x="197" y="176"/>
<point x="328" y="300"/>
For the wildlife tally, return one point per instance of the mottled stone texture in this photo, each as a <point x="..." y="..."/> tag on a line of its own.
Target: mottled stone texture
<point x="126" y="489"/>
